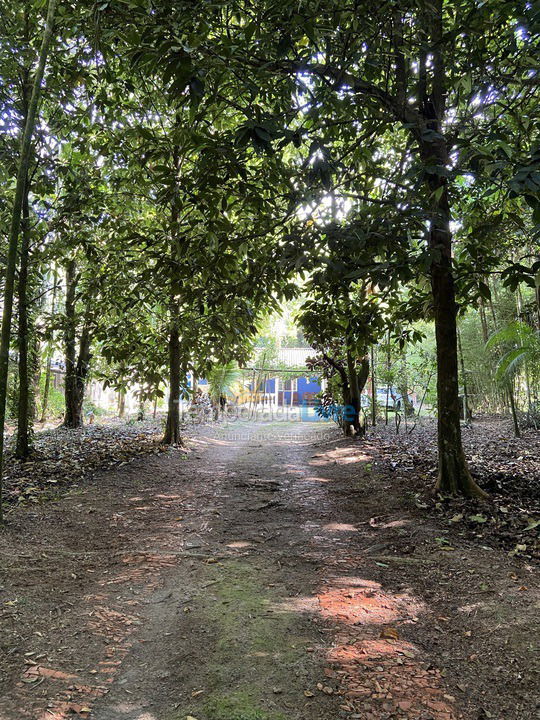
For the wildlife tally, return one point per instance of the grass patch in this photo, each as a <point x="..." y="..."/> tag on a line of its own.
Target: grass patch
<point x="237" y="706"/>
<point x="240" y="616"/>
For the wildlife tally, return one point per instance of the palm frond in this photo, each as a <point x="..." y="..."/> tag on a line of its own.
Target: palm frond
<point x="510" y="362"/>
<point x="224" y="380"/>
<point x="514" y="332"/>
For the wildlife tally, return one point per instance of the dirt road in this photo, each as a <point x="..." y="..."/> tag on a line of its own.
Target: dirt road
<point x="271" y="573"/>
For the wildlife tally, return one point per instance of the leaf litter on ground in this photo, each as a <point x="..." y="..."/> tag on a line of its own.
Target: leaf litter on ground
<point x="63" y="457"/>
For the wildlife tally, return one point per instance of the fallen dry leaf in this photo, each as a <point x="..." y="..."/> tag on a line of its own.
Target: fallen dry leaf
<point x="389" y="633"/>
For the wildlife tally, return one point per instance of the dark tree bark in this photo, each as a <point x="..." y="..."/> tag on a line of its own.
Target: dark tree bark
<point x="425" y="124"/>
<point x="357" y="380"/>
<point x="353" y="380"/>
<point x="47" y="385"/>
<point x="22" y="174"/>
<point x="172" y="429"/>
<point x="373" y="390"/>
<point x="345" y="391"/>
<point x="353" y="418"/>
<point x="454" y="476"/>
<point x="23" y="445"/>
<point x="72" y="416"/>
<point x="77" y="364"/>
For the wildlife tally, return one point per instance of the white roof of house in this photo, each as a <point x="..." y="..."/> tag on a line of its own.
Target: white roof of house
<point x="295" y="357"/>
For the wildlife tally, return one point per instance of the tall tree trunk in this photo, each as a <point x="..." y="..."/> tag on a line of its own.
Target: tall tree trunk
<point x="22" y="173"/>
<point x="361" y="380"/>
<point x="172" y="429"/>
<point x="121" y="403"/>
<point x="77" y="365"/>
<point x="72" y="415"/>
<point x="23" y="445"/>
<point x="454" y="476"/>
<point x="373" y="389"/>
<point x="354" y="413"/>
<point x="46" y="388"/>
<point x="356" y="380"/>
<point x="467" y="415"/>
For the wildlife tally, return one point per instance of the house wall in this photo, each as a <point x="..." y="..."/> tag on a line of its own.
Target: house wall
<point x="307" y="389"/>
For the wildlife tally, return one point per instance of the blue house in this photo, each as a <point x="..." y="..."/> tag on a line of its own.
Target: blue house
<point x="286" y="392"/>
<point x="280" y="390"/>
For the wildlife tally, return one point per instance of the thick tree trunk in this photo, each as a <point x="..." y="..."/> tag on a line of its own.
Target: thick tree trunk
<point x="73" y="409"/>
<point x="76" y="366"/>
<point x="356" y="379"/>
<point x="172" y="429"/>
<point x="454" y="476"/>
<point x="23" y="445"/>
<point x="121" y="403"/>
<point x="47" y="386"/>
<point x="388" y="365"/>
<point x="373" y="390"/>
<point x="22" y="174"/>
<point x="354" y="389"/>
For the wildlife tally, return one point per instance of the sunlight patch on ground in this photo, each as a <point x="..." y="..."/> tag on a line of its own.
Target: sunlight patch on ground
<point x="341" y="456"/>
<point x="340" y="527"/>
<point x="372" y="662"/>
<point x="318" y="479"/>
<point x="305" y="604"/>
<point x="360" y="606"/>
<point x="391" y="524"/>
<point x="238" y="544"/>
